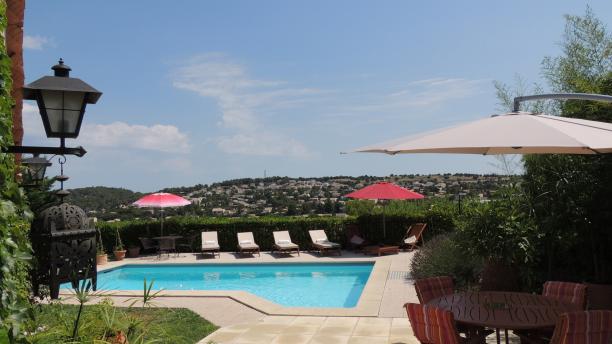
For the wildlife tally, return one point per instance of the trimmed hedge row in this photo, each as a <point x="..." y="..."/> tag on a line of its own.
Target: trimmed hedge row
<point x="369" y="225"/>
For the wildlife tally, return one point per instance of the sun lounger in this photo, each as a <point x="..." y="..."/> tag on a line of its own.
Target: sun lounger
<point x="413" y="236"/>
<point x="246" y="243"/>
<point x="210" y="243"/>
<point x="354" y="238"/>
<point x="321" y="243"/>
<point x="282" y="243"/>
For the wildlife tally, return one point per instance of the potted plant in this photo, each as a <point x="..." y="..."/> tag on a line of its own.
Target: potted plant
<point x="101" y="256"/>
<point x="119" y="248"/>
<point x="134" y="251"/>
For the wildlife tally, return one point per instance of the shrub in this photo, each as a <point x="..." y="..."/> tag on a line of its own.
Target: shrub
<point x="262" y="228"/>
<point x="441" y="256"/>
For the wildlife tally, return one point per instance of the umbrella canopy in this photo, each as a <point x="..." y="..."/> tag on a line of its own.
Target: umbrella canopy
<point x="510" y="133"/>
<point x="384" y="191"/>
<point x="161" y="200"/>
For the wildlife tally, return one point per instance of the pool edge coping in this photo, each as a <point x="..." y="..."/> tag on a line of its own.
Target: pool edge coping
<point x="368" y="304"/>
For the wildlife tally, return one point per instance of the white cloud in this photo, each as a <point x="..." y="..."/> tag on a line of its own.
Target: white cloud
<point x="32" y="124"/>
<point x="157" y="137"/>
<point x="263" y="143"/>
<point x="243" y="101"/>
<point x="162" y="138"/>
<point x="35" y="42"/>
<point x="425" y="93"/>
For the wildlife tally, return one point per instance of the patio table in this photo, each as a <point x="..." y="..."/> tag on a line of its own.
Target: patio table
<point x="504" y="310"/>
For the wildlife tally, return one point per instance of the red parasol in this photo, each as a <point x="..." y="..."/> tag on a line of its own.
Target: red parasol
<point x="384" y="191"/>
<point x="161" y="200"/>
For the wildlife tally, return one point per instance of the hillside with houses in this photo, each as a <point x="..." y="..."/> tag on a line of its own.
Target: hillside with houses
<point x="280" y="196"/>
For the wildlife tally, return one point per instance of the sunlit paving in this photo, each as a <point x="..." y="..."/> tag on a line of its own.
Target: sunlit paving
<point x="305" y="172"/>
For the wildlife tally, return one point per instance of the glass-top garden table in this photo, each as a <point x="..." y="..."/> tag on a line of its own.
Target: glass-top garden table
<point x="504" y="310"/>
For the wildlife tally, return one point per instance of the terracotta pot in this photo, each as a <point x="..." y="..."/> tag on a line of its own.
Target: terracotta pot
<point x="101" y="259"/>
<point x="134" y="251"/>
<point x="119" y="255"/>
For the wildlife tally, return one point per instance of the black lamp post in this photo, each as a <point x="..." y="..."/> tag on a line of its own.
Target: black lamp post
<point x="61" y="101"/>
<point x="35" y="169"/>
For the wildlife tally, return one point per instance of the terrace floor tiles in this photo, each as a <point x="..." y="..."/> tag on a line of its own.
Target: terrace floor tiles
<point x="367" y="330"/>
<point x="305" y="329"/>
<point x="329" y="339"/>
<point x="254" y="337"/>
<point x="368" y="340"/>
<point x="336" y="330"/>
<point x="309" y="321"/>
<point x="341" y="321"/>
<point x="292" y="338"/>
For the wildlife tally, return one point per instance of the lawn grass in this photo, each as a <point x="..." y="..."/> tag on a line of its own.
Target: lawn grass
<point x="161" y="325"/>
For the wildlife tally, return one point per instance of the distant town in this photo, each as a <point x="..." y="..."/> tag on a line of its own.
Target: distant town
<point x="280" y="196"/>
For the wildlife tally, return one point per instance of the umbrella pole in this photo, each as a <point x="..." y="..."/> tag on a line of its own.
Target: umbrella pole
<point x="384" y="223"/>
<point x="162" y="222"/>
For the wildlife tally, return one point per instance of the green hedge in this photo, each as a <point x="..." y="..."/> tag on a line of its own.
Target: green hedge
<point x="262" y="228"/>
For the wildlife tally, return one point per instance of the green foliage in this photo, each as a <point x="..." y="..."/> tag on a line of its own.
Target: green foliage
<point x="262" y="228"/>
<point x="100" y="321"/>
<point x="586" y="58"/>
<point x="441" y="256"/>
<point x="148" y="296"/>
<point x="498" y="230"/>
<point x="100" y="197"/>
<point x="439" y="220"/>
<point x="566" y="197"/>
<point x="14" y="214"/>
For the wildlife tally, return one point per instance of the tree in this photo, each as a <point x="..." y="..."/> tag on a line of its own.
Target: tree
<point x="569" y="194"/>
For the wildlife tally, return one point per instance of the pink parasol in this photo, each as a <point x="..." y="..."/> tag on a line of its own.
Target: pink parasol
<point x="384" y="191"/>
<point x="161" y="200"/>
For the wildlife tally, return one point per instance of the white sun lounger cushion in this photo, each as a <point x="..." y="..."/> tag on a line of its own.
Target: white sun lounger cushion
<point x="246" y="242"/>
<point x="283" y="242"/>
<point x="410" y="240"/>
<point x="356" y="240"/>
<point x="210" y="242"/>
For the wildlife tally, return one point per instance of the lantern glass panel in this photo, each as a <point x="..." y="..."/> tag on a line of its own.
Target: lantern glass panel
<point x="37" y="173"/>
<point x="63" y="100"/>
<point x="63" y="122"/>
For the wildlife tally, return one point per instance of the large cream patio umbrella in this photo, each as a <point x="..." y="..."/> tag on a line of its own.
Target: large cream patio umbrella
<point x="516" y="132"/>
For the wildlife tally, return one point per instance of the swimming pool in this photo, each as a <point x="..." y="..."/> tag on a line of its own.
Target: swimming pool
<point x="292" y="285"/>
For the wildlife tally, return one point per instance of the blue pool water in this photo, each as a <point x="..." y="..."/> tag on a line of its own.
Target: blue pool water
<point x="294" y="285"/>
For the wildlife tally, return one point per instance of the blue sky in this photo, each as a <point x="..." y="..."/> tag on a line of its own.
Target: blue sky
<point x="204" y="91"/>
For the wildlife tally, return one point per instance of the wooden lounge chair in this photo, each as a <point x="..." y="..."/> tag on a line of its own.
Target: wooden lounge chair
<point x="210" y="243"/>
<point x="246" y="243"/>
<point x="283" y="243"/>
<point x="413" y="236"/>
<point x="354" y="238"/>
<point x="322" y="244"/>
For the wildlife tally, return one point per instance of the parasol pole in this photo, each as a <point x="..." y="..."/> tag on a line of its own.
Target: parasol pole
<point x="162" y="222"/>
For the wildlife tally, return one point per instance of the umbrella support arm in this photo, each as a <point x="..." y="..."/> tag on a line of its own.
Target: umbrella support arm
<point x="582" y="96"/>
